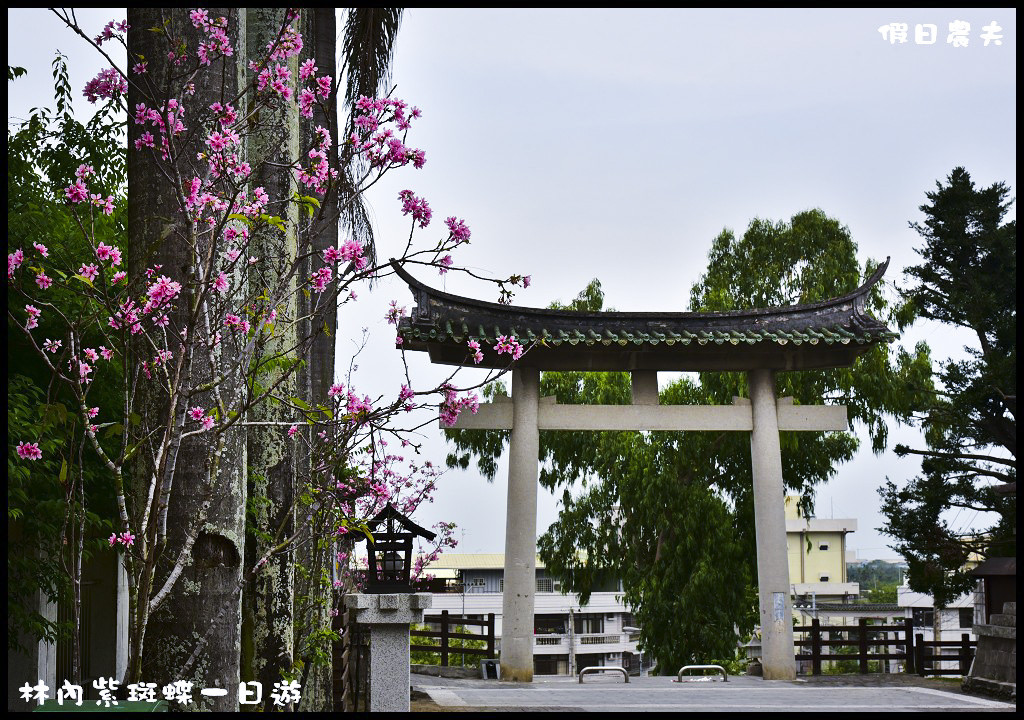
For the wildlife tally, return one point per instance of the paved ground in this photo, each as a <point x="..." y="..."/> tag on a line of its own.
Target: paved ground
<point x="743" y="694"/>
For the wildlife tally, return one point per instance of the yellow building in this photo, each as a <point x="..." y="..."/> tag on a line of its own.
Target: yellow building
<point x="817" y="556"/>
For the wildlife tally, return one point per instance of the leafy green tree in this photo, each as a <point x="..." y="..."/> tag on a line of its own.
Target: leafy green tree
<point x="671" y="514"/>
<point x="967" y="279"/>
<point x="56" y="506"/>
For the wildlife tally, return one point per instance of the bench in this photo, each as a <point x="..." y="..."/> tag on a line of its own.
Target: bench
<point x="719" y="668"/>
<point x="602" y="668"/>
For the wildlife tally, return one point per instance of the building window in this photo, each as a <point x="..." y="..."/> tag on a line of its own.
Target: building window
<point x="966" y="617"/>
<point x="923" y="617"/>
<point x="823" y="546"/>
<point x="823" y="578"/>
<point x="589" y="624"/>
<point x="476" y="582"/>
<point x="544" y="585"/>
<point x="501" y="584"/>
<point x="549" y="624"/>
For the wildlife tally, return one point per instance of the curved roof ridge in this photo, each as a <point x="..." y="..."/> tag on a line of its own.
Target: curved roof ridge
<point x="859" y="294"/>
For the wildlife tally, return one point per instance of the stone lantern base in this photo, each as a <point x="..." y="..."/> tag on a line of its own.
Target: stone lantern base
<point x="388" y="617"/>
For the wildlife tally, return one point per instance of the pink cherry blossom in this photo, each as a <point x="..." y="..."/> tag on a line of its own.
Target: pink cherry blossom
<point x="221" y="283"/>
<point x="43" y="281"/>
<point x="292" y="430"/>
<point x="460" y="233"/>
<point x="42" y="249"/>
<point x="77" y="193"/>
<point x="29" y="451"/>
<point x="196" y="413"/>
<point x="208" y="422"/>
<point x="51" y="346"/>
<point x="509" y="344"/>
<point x="33" y="315"/>
<point x="89" y="272"/>
<point x="14" y="261"/>
<point x="418" y="207"/>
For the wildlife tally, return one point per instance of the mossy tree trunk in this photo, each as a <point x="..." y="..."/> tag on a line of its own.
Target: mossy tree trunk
<point x="203" y="491"/>
<point x="272" y="148"/>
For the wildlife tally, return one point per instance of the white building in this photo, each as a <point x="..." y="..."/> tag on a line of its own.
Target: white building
<point x="568" y="636"/>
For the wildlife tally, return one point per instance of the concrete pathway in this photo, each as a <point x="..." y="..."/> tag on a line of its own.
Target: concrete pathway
<point x="662" y="694"/>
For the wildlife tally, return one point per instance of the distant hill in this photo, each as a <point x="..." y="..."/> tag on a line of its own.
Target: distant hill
<point x="872" y="573"/>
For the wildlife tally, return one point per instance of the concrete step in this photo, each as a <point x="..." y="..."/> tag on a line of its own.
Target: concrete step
<point x="1004" y="620"/>
<point x="1010" y="608"/>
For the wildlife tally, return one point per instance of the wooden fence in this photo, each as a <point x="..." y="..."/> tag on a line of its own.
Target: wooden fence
<point x="881" y="643"/>
<point x="351" y="659"/>
<point x="927" y="657"/>
<point x="445" y="634"/>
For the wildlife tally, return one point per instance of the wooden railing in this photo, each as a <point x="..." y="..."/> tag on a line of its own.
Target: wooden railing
<point x="927" y="657"/>
<point x="881" y="643"/>
<point x="863" y="637"/>
<point x="447" y="622"/>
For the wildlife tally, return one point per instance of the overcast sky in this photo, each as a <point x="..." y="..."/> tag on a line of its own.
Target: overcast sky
<point x="617" y="144"/>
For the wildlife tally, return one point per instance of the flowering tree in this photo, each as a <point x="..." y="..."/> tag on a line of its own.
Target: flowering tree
<point x="204" y="317"/>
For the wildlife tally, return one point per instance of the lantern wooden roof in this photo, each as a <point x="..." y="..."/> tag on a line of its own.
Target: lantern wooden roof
<point x="827" y="334"/>
<point x="390" y="515"/>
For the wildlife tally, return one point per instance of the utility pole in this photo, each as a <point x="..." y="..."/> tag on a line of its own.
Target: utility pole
<point x="572" y="645"/>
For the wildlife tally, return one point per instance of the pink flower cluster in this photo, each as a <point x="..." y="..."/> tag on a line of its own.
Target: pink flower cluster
<point x="29" y="451"/>
<point x="199" y="415"/>
<point x="125" y="538"/>
<point x="417" y="207"/>
<point x="14" y="261"/>
<point x="379" y="145"/>
<point x="108" y="84"/>
<point x="509" y="344"/>
<point x="224" y="145"/>
<point x="33" y="317"/>
<point x="459" y="233"/>
<point x="109" y="31"/>
<point x="319" y="170"/>
<point x="287" y="45"/>
<point x="277" y="78"/>
<point x="168" y="116"/>
<point x="478" y="356"/>
<point x="219" y="44"/>
<point x="351" y="251"/>
<point x="453" y="405"/>
<point x="236" y="323"/>
<point x="395" y="313"/>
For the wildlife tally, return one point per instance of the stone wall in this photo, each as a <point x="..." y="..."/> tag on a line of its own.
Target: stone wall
<point x="994" y="671"/>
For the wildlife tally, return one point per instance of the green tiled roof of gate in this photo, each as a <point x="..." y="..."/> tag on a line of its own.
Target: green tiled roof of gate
<point x="462" y="332"/>
<point x="831" y="333"/>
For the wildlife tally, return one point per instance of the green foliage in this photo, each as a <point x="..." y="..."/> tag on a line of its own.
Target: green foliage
<point x="671" y="514"/>
<point x="967" y="279"/>
<point x="878" y="579"/>
<point x="456" y="659"/>
<point x="44" y="497"/>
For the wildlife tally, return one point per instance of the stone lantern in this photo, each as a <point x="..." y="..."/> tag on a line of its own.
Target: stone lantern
<point x="388" y="605"/>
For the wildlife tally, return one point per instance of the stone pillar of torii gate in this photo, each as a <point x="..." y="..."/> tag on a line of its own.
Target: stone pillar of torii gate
<point x="762" y="415"/>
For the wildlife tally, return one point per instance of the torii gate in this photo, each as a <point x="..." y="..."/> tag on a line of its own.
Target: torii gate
<point x="761" y="342"/>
